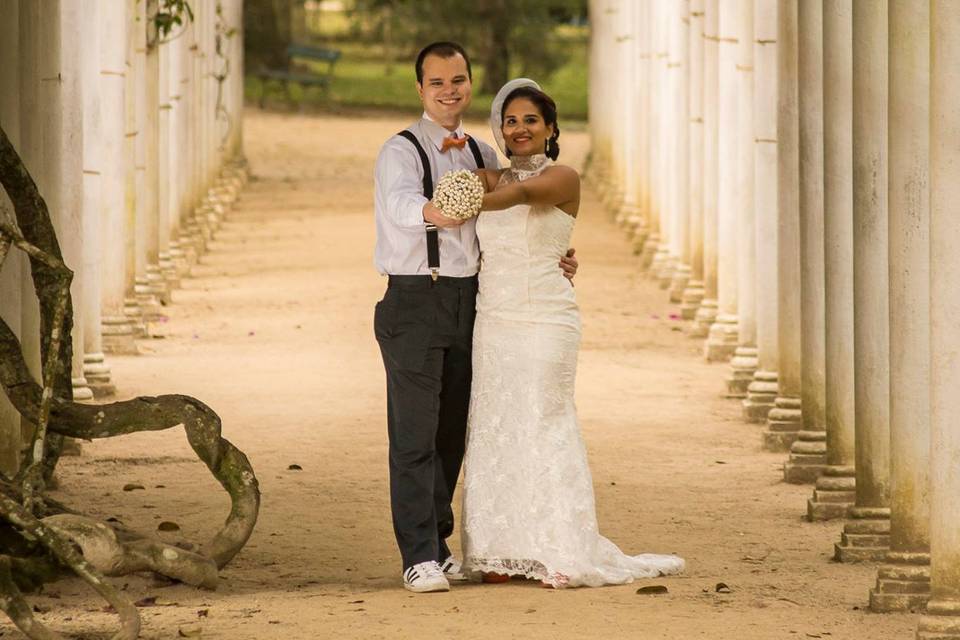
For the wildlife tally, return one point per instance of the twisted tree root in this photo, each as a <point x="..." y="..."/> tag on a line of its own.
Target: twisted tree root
<point x="63" y="550"/>
<point x="17" y="609"/>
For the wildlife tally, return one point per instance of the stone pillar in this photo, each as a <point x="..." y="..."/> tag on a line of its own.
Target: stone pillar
<point x="60" y="116"/>
<point x="663" y="263"/>
<point x="903" y="581"/>
<point x="117" y="328"/>
<point x="680" y="183"/>
<point x="866" y="533"/>
<point x="941" y="621"/>
<point x="95" y="368"/>
<point x="835" y="488"/>
<point x="785" y="419"/>
<point x="13" y="270"/>
<point x="808" y="454"/>
<point x="650" y="200"/>
<point x="762" y="392"/>
<point x="628" y="214"/>
<point x="638" y="221"/>
<point x="722" y="340"/>
<point x="692" y="295"/>
<point x="743" y="366"/>
<point x="707" y="312"/>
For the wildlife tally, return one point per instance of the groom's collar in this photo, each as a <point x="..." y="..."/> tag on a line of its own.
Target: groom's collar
<point x="436" y="132"/>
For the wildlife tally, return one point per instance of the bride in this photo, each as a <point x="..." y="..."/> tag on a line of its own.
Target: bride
<point x="528" y="503"/>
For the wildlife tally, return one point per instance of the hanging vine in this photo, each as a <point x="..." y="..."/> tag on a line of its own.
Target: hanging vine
<point x="223" y="33"/>
<point x="171" y="16"/>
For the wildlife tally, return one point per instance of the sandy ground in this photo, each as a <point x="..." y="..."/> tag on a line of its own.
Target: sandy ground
<point x="275" y="333"/>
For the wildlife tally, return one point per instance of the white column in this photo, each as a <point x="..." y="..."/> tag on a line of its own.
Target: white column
<point x="651" y="197"/>
<point x="707" y="312"/>
<point x="117" y="328"/>
<point x="762" y="392"/>
<point x="12" y="270"/>
<point x="903" y="582"/>
<point x="95" y="368"/>
<point x="638" y="220"/>
<point x="743" y="365"/>
<point x="680" y="183"/>
<point x="865" y="534"/>
<point x="59" y="115"/>
<point x="693" y="293"/>
<point x="722" y="340"/>
<point x="784" y="421"/>
<point x="663" y="264"/>
<point x="628" y="214"/>
<point x="835" y="489"/>
<point x="808" y="454"/>
<point x="942" y="617"/>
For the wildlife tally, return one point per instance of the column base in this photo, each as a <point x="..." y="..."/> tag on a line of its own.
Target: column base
<point x="784" y="423"/>
<point x="681" y="275"/>
<point x="134" y="312"/>
<point x="903" y="583"/>
<point x="834" y="493"/>
<point x="808" y="458"/>
<point x="97" y="373"/>
<point x="117" y="335"/>
<point x="940" y="621"/>
<point x="147" y="303"/>
<point x="81" y="390"/>
<point x="691" y="299"/>
<point x="178" y="259"/>
<point x="626" y="212"/>
<point x="169" y="273"/>
<point x="722" y="338"/>
<point x="661" y="268"/>
<point x="865" y="537"/>
<point x="649" y="251"/>
<point x="761" y="396"/>
<point x="638" y="237"/>
<point x="706" y="316"/>
<point x="157" y="284"/>
<point x="742" y="367"/>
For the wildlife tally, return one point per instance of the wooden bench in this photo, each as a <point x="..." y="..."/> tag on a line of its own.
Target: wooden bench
<point x="298" y="76"/>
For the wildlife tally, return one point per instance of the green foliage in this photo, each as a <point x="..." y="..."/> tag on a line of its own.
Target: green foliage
<point x="171" y="14"/>
<point x="499" y="34"/>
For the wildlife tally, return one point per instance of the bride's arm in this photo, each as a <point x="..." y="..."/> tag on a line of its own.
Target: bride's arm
<point x="557" y="185"/>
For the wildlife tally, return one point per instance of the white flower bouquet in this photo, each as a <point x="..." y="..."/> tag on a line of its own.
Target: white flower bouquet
<point x="459" y="194"/>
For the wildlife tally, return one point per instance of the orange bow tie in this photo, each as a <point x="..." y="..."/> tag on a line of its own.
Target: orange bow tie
<point x="452" y="141"/>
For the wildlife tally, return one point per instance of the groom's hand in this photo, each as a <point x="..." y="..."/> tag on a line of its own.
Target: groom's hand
<point x="569" y="265"/>
<point x="432" y="214"/>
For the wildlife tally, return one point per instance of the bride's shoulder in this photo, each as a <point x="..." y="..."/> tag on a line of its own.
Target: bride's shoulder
<point x="563" y="172"/>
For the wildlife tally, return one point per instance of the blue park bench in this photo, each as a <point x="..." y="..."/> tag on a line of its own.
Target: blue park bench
<point x="303" y="78"/>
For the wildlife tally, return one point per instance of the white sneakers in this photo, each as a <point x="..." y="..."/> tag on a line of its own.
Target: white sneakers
<point x="452" y="569"/>
<point x="425" y="577"/>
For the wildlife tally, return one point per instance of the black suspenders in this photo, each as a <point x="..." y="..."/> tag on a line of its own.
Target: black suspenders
<point x="433" y="240"/>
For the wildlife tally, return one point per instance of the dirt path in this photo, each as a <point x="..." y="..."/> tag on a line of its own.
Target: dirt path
<point x="275" y="334"/>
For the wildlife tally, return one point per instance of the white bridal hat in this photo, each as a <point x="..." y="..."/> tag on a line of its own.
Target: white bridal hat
<point x="496" y="109"/>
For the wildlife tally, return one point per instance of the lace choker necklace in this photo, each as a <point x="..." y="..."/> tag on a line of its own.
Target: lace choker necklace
<point x="532" y="163"/>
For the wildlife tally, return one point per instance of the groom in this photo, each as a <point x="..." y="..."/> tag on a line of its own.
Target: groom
<point x="424" y="324"/>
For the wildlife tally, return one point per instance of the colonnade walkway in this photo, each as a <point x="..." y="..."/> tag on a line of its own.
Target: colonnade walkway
<point x="274" y="331"/>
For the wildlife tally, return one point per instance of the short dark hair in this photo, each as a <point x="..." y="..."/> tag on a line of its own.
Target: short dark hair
<point x="444" y="50"/>
<point x="548" y="111"/>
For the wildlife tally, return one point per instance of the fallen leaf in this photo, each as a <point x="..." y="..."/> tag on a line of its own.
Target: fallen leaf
<point x="356" y="602"/>
<point x="652" y="589"/>
<point x="722" y="588"/>
<point x="166" y="525"/>
<point x="149" y="601"/>
<point x="133" y="487"/>
<point x="203" y="613"/>
<point x="190" y="631"/>
<point x="294" y="467"/>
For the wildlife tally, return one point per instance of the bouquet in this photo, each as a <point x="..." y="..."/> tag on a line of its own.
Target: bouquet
<point x="459" y="194"/>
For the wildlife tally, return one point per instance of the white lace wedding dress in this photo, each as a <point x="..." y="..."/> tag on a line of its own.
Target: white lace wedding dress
<point x="528" y="503"/>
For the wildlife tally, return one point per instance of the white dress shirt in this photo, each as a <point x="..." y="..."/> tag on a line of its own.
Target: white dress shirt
<point x="398" y="204"/>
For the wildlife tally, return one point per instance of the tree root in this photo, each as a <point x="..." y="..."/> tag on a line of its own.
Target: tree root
<point x="64" y="551"/>
<point x="17" y="609"/>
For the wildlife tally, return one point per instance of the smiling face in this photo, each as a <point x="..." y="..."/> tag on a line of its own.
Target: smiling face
<point x="446" y="89"/>
<point x="524" y="129"/>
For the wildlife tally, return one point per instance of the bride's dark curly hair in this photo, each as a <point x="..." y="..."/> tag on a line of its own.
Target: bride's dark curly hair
<point x="548" y="111"/>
